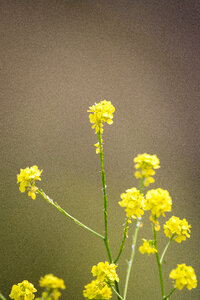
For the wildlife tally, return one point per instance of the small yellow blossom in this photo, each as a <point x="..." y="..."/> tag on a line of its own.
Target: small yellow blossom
<point x="158" y="201"/>
<point x="184" y="276"/>
<point x="100" y="113"/>
<point x="97" y="290"/>
<point x="147" y="247"/>
<point x="97" y="146"/>
<point x="134" y="202"/>
<point x="105" y="272"/>
<point x="51" y="282"/>
<point x="180" y="229"/>
<point x="23" y="291"/>
<point x="146" y="164"/>
<point x="27" y="178"/>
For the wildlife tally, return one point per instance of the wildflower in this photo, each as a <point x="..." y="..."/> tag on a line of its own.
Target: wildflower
<point x="147" y="247"/>
<point x="134" y="202"/>
<point x="184" y="276"/>
<point x="105" y="272"/>
<point x="98" y="147"/>
<point x="180" y="229"/>
<point x="23" y="291"/>
<point x="51" y="282"/>
<point x="158" y="201"/>
<point x="100" y="113"/>
<point x="27" y="178"/>
<point x="97" y="290"/>
<point x="146" y="164"/>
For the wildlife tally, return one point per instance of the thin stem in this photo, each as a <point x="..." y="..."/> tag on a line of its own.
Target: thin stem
<point x="118" y="295"/>
<point x="166" y="247"/>
<point x="172" y="291"/>
<point x="159" y="264"/>
<point x="123" y="240"/>
<point x="137" y="225"/>
<point x="2" y="297"/>
<point x="49" y="200"/>
<point x="105" y="199"/>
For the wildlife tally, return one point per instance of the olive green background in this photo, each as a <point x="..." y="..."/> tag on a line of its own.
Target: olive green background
<point x="57" y="59"/>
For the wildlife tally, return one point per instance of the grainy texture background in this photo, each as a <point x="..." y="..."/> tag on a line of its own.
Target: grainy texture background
<point x="57" y="59"/>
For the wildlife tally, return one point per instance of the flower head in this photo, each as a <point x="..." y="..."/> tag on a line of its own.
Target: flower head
<point x="158" y="201"/>
<point x="23" y="291"/>
<point x="105" y="272"/>
<point x="147" y="247"/>
<point x="27" y="178"/>
<point x="180" y="229"/>
<point x="97" y="290"/>
<point x="184" y="276"/>
<point x="145" y="165"/>
<point x="134" y="202"/>
<point x="100" y="113"/>
<point x="52" y="282"/>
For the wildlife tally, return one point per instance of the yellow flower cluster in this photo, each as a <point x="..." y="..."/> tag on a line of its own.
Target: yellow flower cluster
<point x="158" y="201"/>
<point x="100" y="113"/>
<point x="133" y="200"/>
<point x="147" y="247"/>
<point x="180" y="229"/>
<point x="52" y="282"/>
<point x="105" y="272"/>
<point x="184" y="276"/>
<point x="99" y="288"/>
<point x="27" y="178"/>
<point x="145" y="165"/>
<point x="23" y="291"/>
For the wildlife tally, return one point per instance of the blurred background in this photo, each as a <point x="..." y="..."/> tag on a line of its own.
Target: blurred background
<point x="57" y="59"/>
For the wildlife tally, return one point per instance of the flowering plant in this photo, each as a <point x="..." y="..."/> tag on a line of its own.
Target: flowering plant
<point x="135" y="201"/>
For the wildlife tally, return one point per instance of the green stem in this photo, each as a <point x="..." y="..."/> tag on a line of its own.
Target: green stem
<point x="50" y="201"/>
<point x="137" y="225"/>
<point x="2" y="297"/>
<point x="159" y="264"/>
<point x="123" y="240"/>
<point x="166" y="247"/>
<point x="118" y="295"/>
<point x="172" y="291"/>
<point x="105" y="199"/>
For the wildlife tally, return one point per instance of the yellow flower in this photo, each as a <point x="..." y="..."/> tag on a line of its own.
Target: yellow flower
<point x="146" y="164"/>
<point x="27" y="178"/>
<point x="97" y="290"/>
<point x="105" y="272"/>
<point x="158" y="201"/>
<point x="51" y="282"/>
<point x="134" y="202"/>
<point x="147" y="247"/>
<point x="184" y="276"/>
<point x="100" y="113"/>
<point x="23" y="291"/>
<point x="180" y="229"/>
<point x="97" y="146"/>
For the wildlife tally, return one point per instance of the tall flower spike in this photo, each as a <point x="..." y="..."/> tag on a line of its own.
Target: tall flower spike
<point x="180" y="229"/>
<point x="27" y="178"/>
<point x="184" y="276"/>
<point x="145" y="164"/>
<point x="23" y="291"/>
<point x="101" y="112"/>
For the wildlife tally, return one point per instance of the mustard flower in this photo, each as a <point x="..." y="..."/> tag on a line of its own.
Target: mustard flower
<point x="97" y="146"/>
<point x="97" y="290"/>
<point x="23" y="291"/>
<point x="145" y="165"/>
<point x="100" y="113"/>
<point x="184" y="276"/>
<point x="180" y="229"/>
<point x="52" y="282"/>
<point x="158" y="201"/>
<point x="105" y="272"/>
<point x="147" y="247"/>
<point x="27" y="178"/>
<point x="134" y="202"/>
